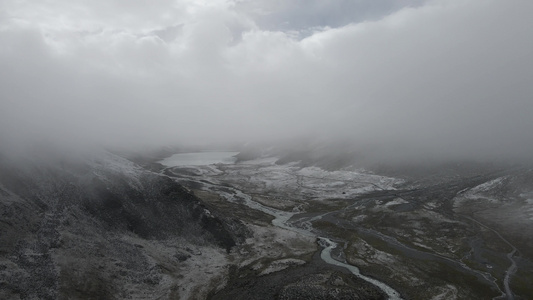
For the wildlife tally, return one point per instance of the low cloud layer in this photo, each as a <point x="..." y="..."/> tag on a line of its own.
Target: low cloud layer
<point x="441" y="78"/>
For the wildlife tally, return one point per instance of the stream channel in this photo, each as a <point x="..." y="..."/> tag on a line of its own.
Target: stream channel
<point x="281" y="218"/>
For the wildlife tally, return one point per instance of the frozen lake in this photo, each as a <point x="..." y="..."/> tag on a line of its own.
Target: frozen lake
<point x="199" y="158"/>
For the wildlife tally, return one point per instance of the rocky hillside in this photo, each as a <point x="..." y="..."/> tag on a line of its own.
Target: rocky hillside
<point x="100" y="228"/>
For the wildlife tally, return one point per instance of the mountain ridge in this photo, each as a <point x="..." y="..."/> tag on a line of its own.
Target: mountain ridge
<point x="82" y="228"/>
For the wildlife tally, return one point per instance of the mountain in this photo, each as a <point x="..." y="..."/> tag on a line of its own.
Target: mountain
<point x="102" y="227"/>
<point x="110" y="225"/>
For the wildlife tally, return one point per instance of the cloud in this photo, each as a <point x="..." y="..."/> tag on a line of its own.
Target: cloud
<point x="444" y="78"/>
<point x="305" y="16"/>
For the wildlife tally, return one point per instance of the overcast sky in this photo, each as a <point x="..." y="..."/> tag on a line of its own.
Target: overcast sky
<point x="450" y="77"/>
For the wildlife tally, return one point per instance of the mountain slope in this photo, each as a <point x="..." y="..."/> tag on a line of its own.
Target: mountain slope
<point x="102" y="228"/>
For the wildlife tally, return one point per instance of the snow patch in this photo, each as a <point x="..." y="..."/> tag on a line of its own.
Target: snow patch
<point x="260" y="161"/>
<point x="200" y="158"/>
<point x="110" y="164"/>
<point x="280" y="265"/>
<point x="396" y="202"/>
<point x="448" y="292"/>
<point x="481" y="191"/>
<point x="528" y="204"/>
<point x="487" y="185"/>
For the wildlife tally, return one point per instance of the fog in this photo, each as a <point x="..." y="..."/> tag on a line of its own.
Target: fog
<point x="439" y="79"/>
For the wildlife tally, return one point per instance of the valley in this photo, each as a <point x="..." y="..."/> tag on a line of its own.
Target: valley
<point x="413" y="237"/>
<point x="227" y="226"/>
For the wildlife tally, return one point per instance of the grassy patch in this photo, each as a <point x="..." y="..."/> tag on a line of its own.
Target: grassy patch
<point x="521" y="284"/>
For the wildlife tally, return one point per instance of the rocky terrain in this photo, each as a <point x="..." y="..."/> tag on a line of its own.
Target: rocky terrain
<point x="104" y="228"/>
<point x="445" y="231"/>
<point x="110" y="226"/>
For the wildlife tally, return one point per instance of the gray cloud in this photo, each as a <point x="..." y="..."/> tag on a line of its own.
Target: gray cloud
<point x="307" y="16"/>
<point x="444" y="78"/>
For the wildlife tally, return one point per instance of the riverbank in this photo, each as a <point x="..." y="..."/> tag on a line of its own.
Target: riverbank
<point x="401" y="233"/>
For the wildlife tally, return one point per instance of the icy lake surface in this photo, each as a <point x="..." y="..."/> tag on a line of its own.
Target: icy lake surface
<point x="199" y="158"/>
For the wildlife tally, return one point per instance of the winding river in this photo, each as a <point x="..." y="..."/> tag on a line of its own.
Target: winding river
<point x="205" y="162"/>
<point x="281" y="218"/>
<point x="512" y="268"/>
<point x="326" y="256"/>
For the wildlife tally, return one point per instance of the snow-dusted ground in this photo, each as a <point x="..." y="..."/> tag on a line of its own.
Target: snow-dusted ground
<point x="310" y="183"/>
<point x="205" y="268"/>
<point x="235" y="183"/>
<point x="482" y="191"/>
<point x="528" y="204"/>
<point x="281" y="264"/>
<point x="200" y="158"/>
<point x="289" y="190"/>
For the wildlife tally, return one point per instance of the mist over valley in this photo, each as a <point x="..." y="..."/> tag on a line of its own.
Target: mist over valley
<point x="266" y="149"/>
